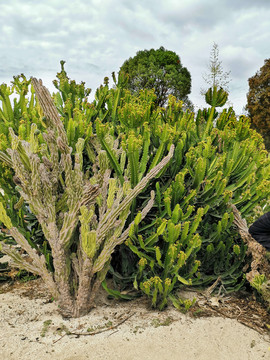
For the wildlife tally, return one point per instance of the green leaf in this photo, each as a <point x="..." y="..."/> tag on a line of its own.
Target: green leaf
<point x="117" y="294"/>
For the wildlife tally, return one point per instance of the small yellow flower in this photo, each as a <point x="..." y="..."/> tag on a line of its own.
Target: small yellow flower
<point x="142" y="262"/>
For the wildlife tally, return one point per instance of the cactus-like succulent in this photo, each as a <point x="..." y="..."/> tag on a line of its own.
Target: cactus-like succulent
<point x="81" y="241"/>
<point x="215" y="97"/>
<point x="187" y="238"/>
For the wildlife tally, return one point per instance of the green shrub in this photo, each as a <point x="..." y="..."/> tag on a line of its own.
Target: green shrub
<point x="188" y="237"/>
<point x="82" y="215"/>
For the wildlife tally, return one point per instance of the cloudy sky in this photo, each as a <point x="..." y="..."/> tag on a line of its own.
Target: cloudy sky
<point x="95" y="37"/>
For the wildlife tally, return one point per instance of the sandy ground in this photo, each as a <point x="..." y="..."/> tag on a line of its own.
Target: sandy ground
<point x="31" y="329"/>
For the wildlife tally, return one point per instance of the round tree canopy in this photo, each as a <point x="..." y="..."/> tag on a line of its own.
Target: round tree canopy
<point x="160" y="70"/>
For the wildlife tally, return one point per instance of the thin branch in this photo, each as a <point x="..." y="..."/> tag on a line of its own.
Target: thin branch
<point x="98" y="331"/>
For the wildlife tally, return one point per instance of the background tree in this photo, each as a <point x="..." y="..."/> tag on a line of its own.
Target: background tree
<point x="258" y="102"/>
<point x="161" y="70"/>
<point x="216" y="75"/>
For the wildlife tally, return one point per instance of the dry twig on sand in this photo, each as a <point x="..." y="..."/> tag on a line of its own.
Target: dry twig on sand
<point x="97" y="331"/>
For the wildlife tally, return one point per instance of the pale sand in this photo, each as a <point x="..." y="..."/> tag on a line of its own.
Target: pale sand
<point x="145" y="335"/>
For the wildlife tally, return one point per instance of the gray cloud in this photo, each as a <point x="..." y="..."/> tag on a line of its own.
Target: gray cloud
<point x="95" y="37"/>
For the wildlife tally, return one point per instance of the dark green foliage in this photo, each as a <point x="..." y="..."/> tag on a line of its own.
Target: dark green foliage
<point x="160" y="70"/>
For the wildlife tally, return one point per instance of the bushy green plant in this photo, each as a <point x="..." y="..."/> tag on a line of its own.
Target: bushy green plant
<point x="82" y="215"/>
<point x="19" y="116"/>
<point x="215" y="163"/>
<point x="20" y="111"/>
<point x="188" y="237"/>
